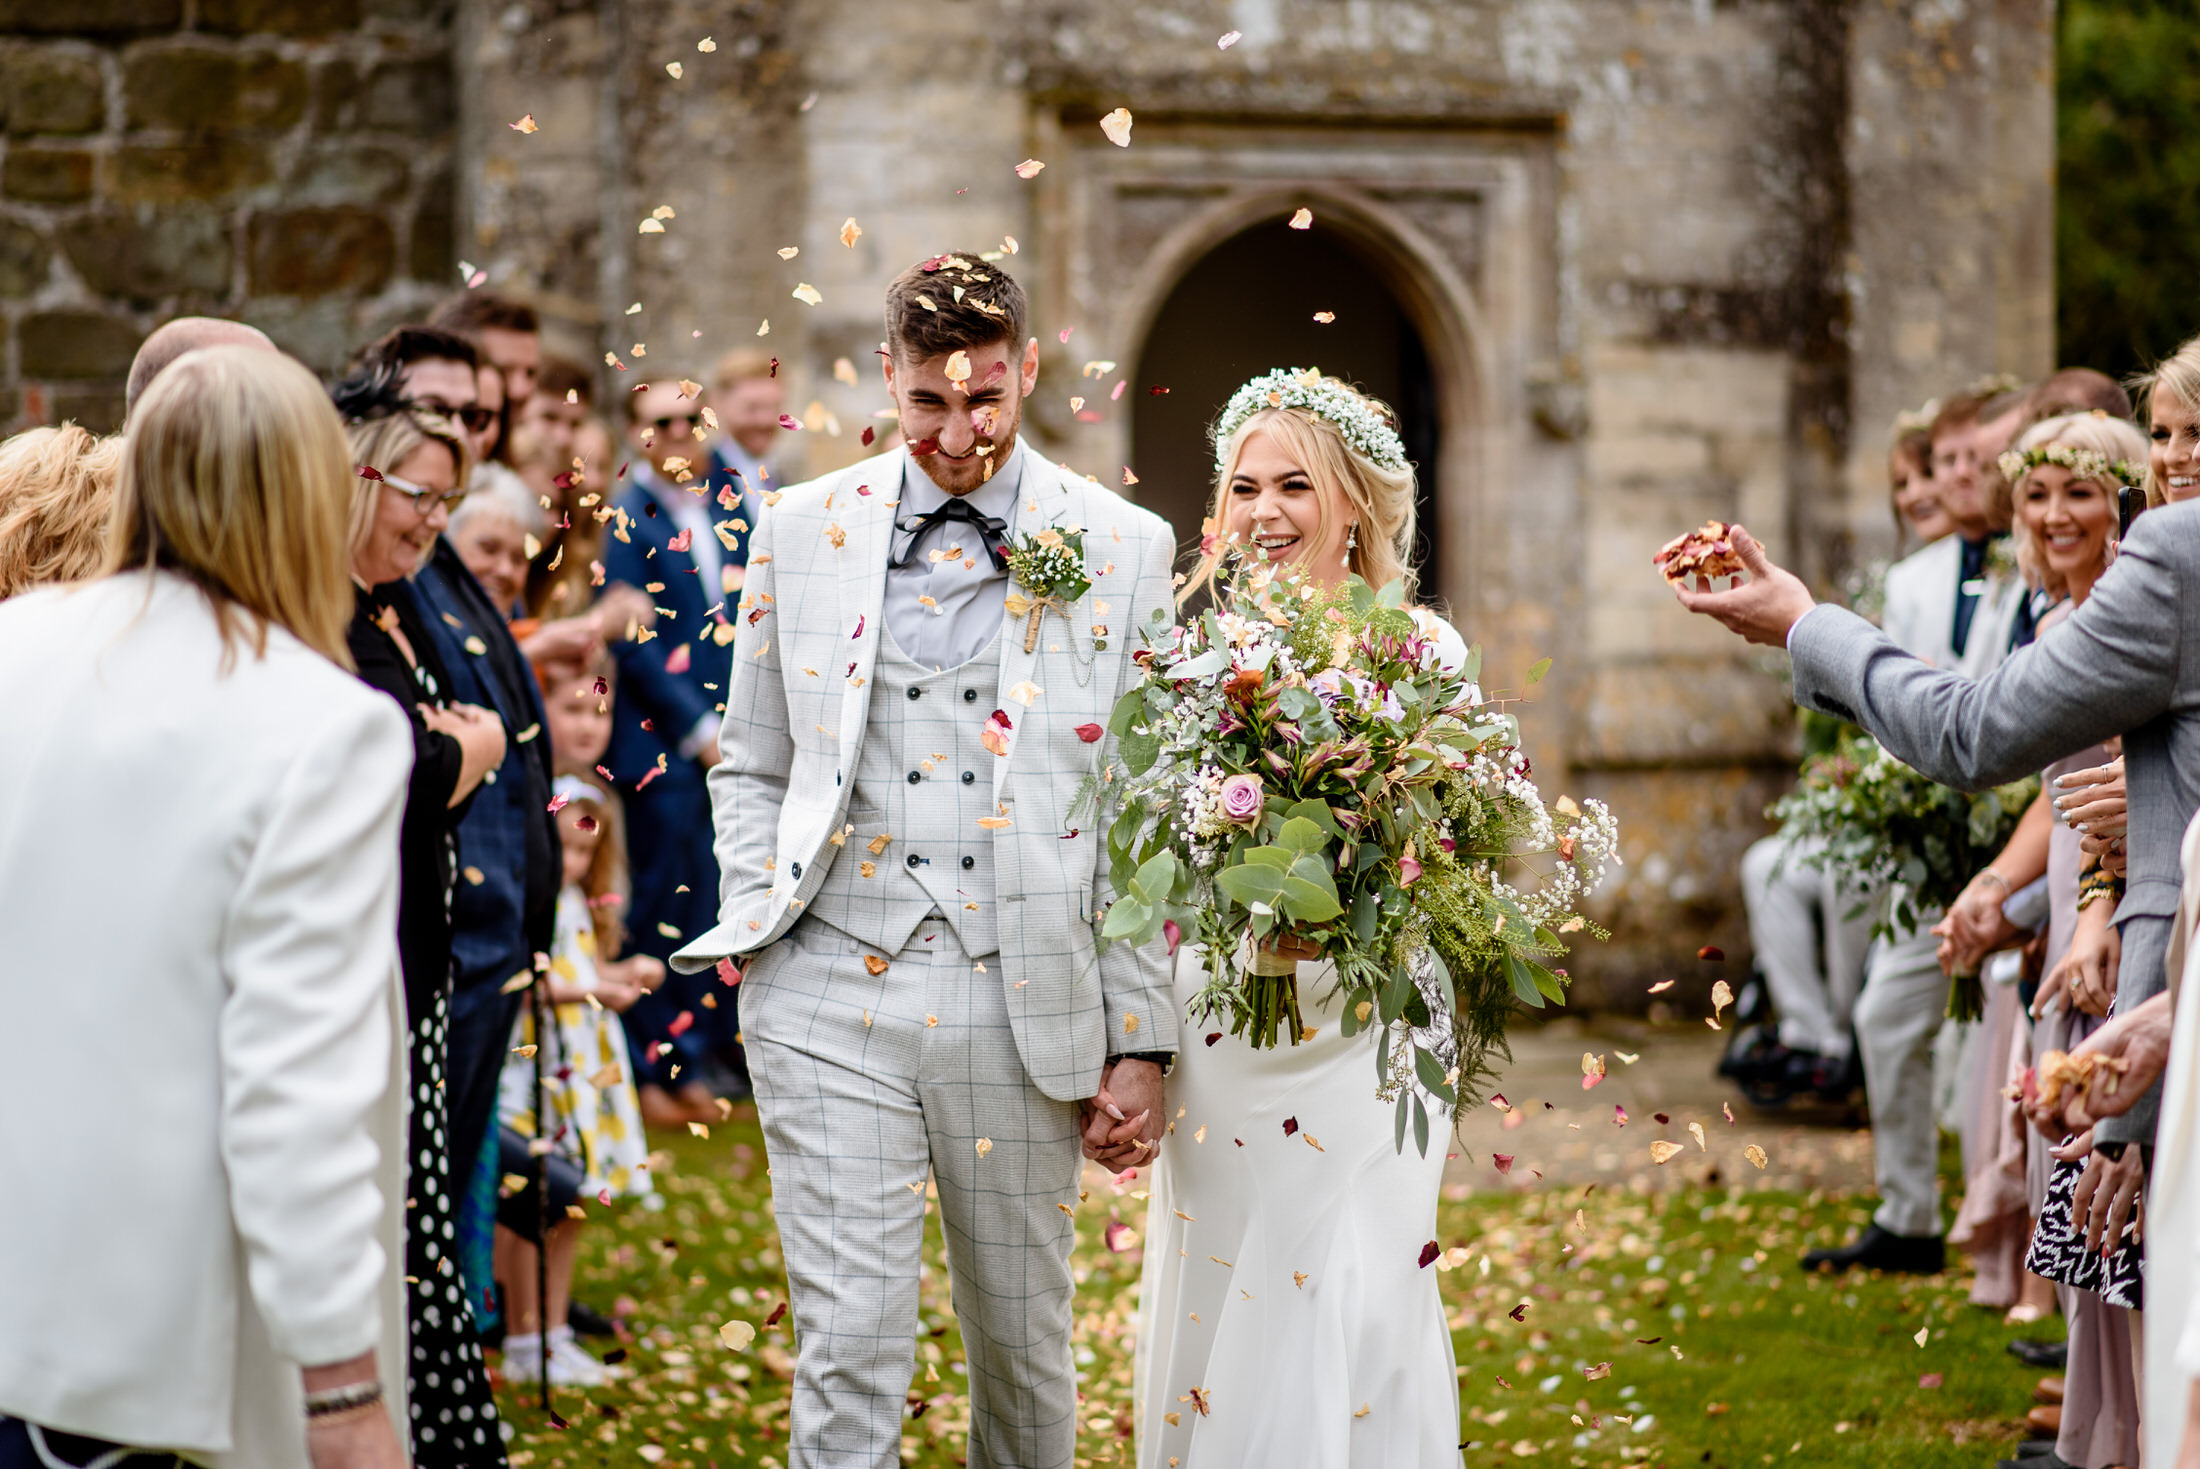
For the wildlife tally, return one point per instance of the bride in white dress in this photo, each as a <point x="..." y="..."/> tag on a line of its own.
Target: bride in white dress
<point x="1285" y="1315"/>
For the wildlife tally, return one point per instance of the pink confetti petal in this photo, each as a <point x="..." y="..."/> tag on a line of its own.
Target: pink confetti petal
<point x="1503" y="1162"/>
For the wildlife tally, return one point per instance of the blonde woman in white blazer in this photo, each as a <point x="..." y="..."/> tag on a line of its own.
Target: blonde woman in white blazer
<point x="198" y="872"/>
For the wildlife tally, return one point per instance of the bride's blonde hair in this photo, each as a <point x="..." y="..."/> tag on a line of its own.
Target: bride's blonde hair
<point x="1383" y="500"/>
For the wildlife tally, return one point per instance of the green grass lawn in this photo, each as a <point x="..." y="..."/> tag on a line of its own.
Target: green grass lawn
<point x="1721" y="1351"/>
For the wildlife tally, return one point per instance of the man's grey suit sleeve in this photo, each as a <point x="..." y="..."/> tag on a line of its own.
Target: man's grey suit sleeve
<point x="748" y="785"/>
<point x="2139" y="978"/>
<point x="2110" y="668"/>
<point x="1136" y="981"/>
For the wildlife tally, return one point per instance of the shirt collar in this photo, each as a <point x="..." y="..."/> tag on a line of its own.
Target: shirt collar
<point x="996" y="497"/>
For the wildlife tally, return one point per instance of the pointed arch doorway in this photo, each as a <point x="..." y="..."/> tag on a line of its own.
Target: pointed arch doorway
<point x="1249" y="305"/>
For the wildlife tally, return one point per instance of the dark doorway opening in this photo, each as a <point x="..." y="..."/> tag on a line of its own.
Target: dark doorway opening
<point x="1248" y="306"/>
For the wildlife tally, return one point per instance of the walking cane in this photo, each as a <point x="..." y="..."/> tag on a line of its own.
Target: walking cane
<point x="540" y="1146"/>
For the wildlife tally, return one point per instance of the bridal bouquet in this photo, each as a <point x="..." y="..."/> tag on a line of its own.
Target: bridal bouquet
<point x="1302" y="764"/>
<point x="1893" y="830"/>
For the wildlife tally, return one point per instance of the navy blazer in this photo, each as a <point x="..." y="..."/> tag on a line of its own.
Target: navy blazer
<point x="654" y="687"/>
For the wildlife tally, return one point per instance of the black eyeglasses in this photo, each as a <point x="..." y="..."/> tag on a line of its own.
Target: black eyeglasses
<point x="477" y="417"/>
<point x="664" y="425"/>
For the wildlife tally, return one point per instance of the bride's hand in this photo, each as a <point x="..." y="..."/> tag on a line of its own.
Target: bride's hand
<point x="1123" y="1123"/>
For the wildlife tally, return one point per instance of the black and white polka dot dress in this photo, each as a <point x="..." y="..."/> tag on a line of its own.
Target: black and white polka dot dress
<point x="454" y="1418"/>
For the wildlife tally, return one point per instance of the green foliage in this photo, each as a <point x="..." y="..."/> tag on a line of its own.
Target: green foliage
<point x="2127" y="208"/>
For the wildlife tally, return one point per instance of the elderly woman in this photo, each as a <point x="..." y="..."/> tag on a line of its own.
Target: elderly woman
<point x="210" y="1274"/>
<point x="492" y="529"/>
<point x="56" y="485"/>
<point x="409" y="467"/>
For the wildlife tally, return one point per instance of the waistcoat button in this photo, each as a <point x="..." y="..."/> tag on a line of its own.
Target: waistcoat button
<point x="796" y="869"/>
<point x="915" y="692"/>
<point x="970" y="777"/>
<point x="913" y="859"/>
<point x="970" y="696"/>
<point x="914" y="777"/>
<point x="969" y="862"/>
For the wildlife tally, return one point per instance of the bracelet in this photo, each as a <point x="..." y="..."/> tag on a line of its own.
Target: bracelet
<point x="342" y="1398"/>
<point x="1997" y="877"/>
<point x="341" y="1416"/>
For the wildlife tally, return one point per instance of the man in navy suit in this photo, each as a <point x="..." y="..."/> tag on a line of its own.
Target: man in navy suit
<point x="673" y="538"/>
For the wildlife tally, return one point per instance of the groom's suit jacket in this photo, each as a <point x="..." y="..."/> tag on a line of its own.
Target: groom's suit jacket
<point x="2126" y="663"/>
<point x="810" y="620"/>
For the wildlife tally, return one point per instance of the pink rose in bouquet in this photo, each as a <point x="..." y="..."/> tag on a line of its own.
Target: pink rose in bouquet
<point x="1242" y="799"/>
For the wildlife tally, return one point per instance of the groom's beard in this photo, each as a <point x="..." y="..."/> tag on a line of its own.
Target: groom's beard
<point x="961" y="476"/>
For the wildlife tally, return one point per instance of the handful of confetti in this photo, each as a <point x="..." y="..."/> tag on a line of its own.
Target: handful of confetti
<point x="1707" y="551"/>
<point x="2059" y="1073"/>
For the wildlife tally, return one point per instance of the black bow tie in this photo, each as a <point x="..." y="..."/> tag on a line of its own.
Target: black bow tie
<point x="992" y="530"/>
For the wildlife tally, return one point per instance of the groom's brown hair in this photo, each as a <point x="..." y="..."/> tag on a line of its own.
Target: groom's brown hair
<point x="927" y="316"/>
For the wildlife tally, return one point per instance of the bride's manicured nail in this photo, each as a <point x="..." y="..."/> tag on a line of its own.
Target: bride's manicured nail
<point x="1115" y="1111"/>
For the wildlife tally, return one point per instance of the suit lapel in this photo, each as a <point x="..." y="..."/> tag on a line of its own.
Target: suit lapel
<point x="1041" y="501"/>
<point x="860" y="565"/>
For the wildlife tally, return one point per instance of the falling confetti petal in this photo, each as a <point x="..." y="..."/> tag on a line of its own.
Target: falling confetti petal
<point x="788" y="252"/>
<point x="1029" y="168"/>
<point x="736" y="1335"/>
<point x="1089" y="733"/>
<point x="525" y="125"/>
<point x="850" y="232"/>
<point x="673" y="70"/>
<point x="1117" y="125"/>
<point x="1228" y="39"/>
<point x="1429" y="1252"/>
<point x="1711" y="953"/>
<point x="1755" y="1155"/>
<point x="807" y="294"/>
<point x="651" y="227"/>
<point x="706" y="45"/>
<point x="1661" y="1151"/>
<point x="1325" y="317"/>
<point x="1303" y="220"/>
<point x="1922" y="1333"/>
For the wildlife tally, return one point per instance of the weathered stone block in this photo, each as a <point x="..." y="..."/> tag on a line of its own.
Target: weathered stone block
<point x="24" y="258"/>
<point x="199" y="88"/>
<point x="145" y="255"/>
<point x="89" y="17"/>
<point x="47" y="175"/>
<point x="410" y="97"/>
<point x="76" y="344"/>
<point x="320" y="252"/>
<point x="340" y="173"/>
<point x="98" y="409"/>
<point x="167" y="173"/>
<point x="51" y="89"/>
<point x="279" y="17"/>
<point x="434" y="248"/>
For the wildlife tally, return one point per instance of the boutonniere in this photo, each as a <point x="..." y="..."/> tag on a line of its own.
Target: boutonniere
<point x="2001" y="558"/>
<point x="1050" y="566"/>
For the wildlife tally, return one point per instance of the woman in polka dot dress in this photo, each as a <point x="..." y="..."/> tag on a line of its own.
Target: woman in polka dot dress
<point x="417" y="464"/>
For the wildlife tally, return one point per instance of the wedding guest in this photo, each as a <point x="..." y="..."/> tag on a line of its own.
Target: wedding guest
<point x="172" y="339"/>
<point x="665" y="730"/>
<point x="750" y="453"/>
<point x="502" y="914"/>
<point x="1947" y="605"/>
<point x="506" y="331"/>
<point x="1917" y="509"/>
<point x="2171" y="393"/>
<point x="397" y="515"/>
<point x="56" y="488"/>
<point x="490" y="530"/>
<point x="2067" y="520"/>
<point x="214" y="1272"/>
<point x="549" y="419"/>
<point x="588" y="1089"/>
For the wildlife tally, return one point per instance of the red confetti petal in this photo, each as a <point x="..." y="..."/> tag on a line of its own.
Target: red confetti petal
<point x="1212" y="1037"/>
<point x="777" y="1312"/>
<point x="1711" y="952"/>
<point x="1429" y="1252"/>
<point x="368" y="471"/>
<point x="681" y="1024"/>
<point x="789" y="422"/>
<point x="1519" y="1312"/>
<point x="1174" y="933"/>
<point x="680" y="659"/>
<point x="1503" y="1161"/>
<point x="1090" y="733"/>
<point x="1290" y="1125"/>
<point x="727" y="973"/>
<point x="870" y="436"/>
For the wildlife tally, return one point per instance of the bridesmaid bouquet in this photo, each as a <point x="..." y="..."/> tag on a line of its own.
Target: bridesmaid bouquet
<point x="1893" y="830"/>
<point x="1301" y="764"/>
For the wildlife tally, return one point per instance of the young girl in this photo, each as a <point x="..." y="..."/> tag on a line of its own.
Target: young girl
<point x="587" y="1087"/>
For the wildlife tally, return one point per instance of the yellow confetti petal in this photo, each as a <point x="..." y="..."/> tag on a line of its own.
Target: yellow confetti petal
<point x="650" y="227"/>
<point x="1303" y="220"/>
<point x="1922" y="1333"/>
<point x="1325" y="317"/>
<point x="1130" y="1025"/>
<point x="1025" y="693"/>
<point x="789" y="252"/>
<point x="525" y="125"/>
<point x="850" y="232"/>
<point x="1029" y="168"/>
<point x="985" y="1146"/>
<point x="736" y="1335"/>
<point x="1117" y="125"/>
<point x="706" y="45"/>
<point x="958" y="367"/>
<point x="673" y="70"/>
<point x="700" y="1129"/>
<point x="1755" y="1155"/>
<point x="807" y="294"/>
<point x="1662" y="1151"/>
<point x="1697" y="1129"/>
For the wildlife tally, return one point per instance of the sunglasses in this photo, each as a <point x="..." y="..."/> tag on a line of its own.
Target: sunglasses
<point x="424" y="499"/>
<point x="693" y="421"/>
<point x="476" y="417"/>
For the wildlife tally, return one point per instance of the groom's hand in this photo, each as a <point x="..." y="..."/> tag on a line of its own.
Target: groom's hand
<point x="1761" y="609"/>
<point x="1124" y="1122"/>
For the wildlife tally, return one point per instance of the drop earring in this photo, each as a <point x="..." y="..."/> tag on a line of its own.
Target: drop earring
<point x="1351" y="538"/>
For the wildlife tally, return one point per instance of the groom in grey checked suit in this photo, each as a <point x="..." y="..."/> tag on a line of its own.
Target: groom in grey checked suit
<point x="903" y="748"/>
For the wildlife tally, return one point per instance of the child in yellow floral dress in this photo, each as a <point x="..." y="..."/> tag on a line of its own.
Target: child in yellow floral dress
<point x="588" y="1085"/>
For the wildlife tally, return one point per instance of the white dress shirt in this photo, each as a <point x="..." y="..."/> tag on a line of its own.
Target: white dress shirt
<point x="943" y="609"/>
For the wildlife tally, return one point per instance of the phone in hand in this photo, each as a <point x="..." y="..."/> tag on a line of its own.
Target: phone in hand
<point x="2129" y="502"/>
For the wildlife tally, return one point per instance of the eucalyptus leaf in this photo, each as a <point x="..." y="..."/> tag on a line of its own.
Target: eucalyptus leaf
<point x="1420" y="1125"/>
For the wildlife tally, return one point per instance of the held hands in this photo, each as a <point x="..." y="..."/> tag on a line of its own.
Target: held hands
<point x="2092" y="801"/>
<point x="620" y="984"/>
<point x="1975" y="926"/>
<point x="1761" y="609"/>
<point x="1124" y="1122"/>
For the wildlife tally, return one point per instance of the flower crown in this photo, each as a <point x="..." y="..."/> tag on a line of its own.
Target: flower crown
<point x="2082" y="464"/>
<point x="1306" y="389"/>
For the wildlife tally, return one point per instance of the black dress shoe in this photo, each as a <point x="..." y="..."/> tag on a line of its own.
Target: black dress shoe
<point x="2054" y="1355"/>
<point x="587" y="1321"/>
<point x="1876" y="1249"/>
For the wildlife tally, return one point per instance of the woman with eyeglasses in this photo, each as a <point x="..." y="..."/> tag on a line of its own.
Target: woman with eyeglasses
<point x="409" y="468"/>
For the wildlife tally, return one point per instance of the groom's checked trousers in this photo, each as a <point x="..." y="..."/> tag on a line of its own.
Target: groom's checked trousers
<point x="859" y="1079"/>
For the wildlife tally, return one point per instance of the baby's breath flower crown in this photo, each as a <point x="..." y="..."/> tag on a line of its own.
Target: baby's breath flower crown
<point x="2082" y="464"/>
<point x="1305" y="388"/>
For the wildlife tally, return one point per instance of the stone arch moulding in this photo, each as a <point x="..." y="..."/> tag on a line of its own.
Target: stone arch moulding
<point x="1456" y="223"/>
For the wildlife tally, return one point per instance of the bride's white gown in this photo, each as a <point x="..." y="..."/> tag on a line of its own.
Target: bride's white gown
<point x="1282" y="1279"/>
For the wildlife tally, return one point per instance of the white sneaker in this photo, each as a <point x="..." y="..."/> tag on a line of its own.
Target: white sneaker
<point x="570" y="1363"/>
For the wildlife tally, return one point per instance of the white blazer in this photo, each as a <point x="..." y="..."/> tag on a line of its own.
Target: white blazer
<point x="1920" y="615"/>
<point x="806" y="640"/>
<point x="198" y="1128"/>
